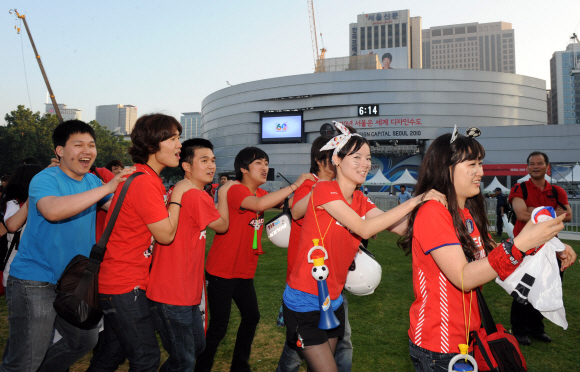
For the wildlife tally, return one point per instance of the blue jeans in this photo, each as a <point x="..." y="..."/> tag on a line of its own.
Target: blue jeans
<point x="32" y="321"/>
<point x="129" y="330"/>
<point x="290" y="360"/>
<point x="182" y="335"/>
<point x="429" y="361"/>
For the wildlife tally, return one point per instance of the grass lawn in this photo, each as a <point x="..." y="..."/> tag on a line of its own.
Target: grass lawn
<point x="379" y="321"/>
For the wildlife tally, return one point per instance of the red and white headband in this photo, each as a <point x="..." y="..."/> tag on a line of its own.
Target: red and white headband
<point x="338" y="142"/>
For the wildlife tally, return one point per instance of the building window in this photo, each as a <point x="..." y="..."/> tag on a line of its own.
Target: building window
<point x="435" y="32"/>
<point x="362" y="38"/>
<point x="383" y="37"/>
<point x="369" y="38"/>
<point x="390" y="29"/>
<point x="447" y="31"/>
<point x="397" y="36"/>
<point x="404" y="34"/>
<point x="376" y="37"/>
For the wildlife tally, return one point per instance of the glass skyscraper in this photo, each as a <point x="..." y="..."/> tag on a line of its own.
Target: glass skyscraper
<point x="565" y="85"/>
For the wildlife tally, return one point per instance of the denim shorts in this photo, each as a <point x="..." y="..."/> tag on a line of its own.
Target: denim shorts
<point x="429" y="361"/>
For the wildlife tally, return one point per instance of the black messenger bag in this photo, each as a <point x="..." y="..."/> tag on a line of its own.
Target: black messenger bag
<point x="77" y="298"/>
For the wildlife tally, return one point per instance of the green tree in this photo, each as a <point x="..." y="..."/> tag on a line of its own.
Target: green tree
<point x="28" y="134"/>
<point x="110" y="146"/>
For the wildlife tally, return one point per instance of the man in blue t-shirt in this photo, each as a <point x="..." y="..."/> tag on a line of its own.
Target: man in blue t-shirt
<point x="403" y="196"/>
<point x="60" y="225"/>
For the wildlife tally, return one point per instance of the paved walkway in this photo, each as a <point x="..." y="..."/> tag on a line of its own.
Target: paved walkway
<point x="568" y="236"/>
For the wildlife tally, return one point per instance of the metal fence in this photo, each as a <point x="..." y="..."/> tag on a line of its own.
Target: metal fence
<point x="389" y="202"/>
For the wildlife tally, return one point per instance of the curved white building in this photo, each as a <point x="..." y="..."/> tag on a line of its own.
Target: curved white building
<point x="414" y="107"/>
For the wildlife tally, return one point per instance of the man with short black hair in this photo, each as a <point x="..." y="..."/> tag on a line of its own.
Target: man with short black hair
<point x="233" y="257"/>
<point x="177" y="275"/>
<point x="524" y="197"/>
<point x="60" y="225"/>
<point x="404" y="195"/>
<point x="223" y="180"/>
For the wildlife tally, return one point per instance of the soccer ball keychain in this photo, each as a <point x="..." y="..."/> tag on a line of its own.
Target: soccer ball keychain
<point x="316" y="255"/>
<point x="257" y="250"/>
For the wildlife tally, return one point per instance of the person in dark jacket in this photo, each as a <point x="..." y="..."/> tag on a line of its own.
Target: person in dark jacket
<point x="500" y="209"/>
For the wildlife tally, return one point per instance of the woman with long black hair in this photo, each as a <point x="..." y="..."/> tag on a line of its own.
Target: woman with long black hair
<point x="453" y="253"/>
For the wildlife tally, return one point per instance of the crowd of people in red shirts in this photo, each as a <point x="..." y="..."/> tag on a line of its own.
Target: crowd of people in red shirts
<point x="154" y="277"/>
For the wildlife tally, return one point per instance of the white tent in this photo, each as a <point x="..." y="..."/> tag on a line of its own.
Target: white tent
<point x="546" y="177"/>
<point x="378" y="179"/>
<point x="574" y="176"/>
<point x="405" y="179"/>
<point x="495" y="183"/>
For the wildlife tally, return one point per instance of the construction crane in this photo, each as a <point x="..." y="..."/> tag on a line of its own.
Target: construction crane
<point x="318" y="57"/>
<point x="53" y="100"/>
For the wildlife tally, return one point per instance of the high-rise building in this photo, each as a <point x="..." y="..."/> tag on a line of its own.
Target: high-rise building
<point x="565" y="80"/>
<point x="394" y="36"/>
<point x="190" y="124"/>
<point x="549" y="105"/>
<point x="66" y="113"/>
<point x="117" y="118"/>
<point x="470" y="46"/>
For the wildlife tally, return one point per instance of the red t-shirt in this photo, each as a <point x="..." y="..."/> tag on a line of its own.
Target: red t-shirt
<point x="296" y="226"/>
<point x="231" y="254"/>
<point x="340" y="243"/>
<point x="437" y="323"/>
<point x="128" y="255"/>
<point x="537" y="198"/>
<point x="106" y="176"/>
<point x="177" y="271"/>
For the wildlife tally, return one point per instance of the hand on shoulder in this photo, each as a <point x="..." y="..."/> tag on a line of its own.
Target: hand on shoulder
<point x="226" y="186"/>
<point x="303" y="177"/>
<point x="121" y="177"/>
<point x="430" y="195"/>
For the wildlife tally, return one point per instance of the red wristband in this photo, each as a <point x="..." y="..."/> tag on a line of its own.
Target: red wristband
<point x="505" y="258"/>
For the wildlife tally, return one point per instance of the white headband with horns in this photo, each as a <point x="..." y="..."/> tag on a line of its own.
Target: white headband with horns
<point x="338" y="142"/>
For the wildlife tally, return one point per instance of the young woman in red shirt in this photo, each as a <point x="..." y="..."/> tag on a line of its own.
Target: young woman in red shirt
<point x="453" y="253"/>
<point x="339" y="217"/>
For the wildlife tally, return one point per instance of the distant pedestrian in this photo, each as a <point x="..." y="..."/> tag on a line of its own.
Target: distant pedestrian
<point x="404" y="195"/>
<point x="500" y="209"/>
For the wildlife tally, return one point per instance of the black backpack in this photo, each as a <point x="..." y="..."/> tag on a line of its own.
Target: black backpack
<point x="512" y="214"/>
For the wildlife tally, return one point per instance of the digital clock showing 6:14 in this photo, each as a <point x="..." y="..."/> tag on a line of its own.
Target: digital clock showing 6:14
<point x="368" y="110"/>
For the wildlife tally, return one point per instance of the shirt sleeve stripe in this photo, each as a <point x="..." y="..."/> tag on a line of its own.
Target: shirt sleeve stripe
<point x="440" y="246"/>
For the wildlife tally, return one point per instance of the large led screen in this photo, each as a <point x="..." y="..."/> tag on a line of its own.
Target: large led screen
<point x="280" y="128"/>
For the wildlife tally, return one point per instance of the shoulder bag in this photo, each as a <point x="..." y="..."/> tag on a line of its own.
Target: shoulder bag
<point x="77" y="298"/>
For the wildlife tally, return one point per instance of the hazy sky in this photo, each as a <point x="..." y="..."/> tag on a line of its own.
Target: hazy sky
<point x="168" y="56"/>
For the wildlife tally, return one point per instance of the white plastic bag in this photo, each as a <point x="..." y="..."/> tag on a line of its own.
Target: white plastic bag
<point x="509" y="228"/>
<point x="537" y="281"/>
